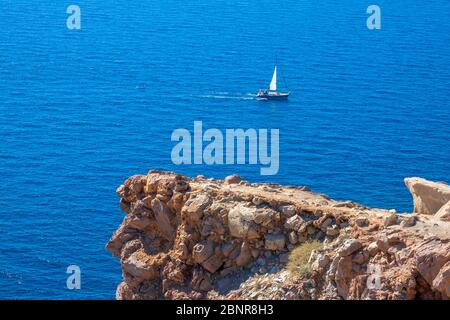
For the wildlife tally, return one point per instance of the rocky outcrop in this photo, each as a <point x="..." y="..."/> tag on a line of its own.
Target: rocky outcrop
<point x="444" y="212"/>
<point x="429" y="197"/>
<point x="200" y="238"/>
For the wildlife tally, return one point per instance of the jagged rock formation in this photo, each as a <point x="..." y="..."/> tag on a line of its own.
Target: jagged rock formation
<point x="203" y="238"/>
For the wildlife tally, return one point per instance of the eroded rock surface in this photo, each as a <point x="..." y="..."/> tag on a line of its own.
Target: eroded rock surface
<point x="202" y="238"/>
<point x="428" y="196"/>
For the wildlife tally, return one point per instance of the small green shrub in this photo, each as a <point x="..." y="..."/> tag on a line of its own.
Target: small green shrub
<point x="298" y="259"/>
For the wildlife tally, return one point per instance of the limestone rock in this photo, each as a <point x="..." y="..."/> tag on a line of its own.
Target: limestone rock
<point x="193" y="208"/>
<point x="428" y="196"/>
<point x="319" y="261"/>
<point x="343" y="275"/>
<point x="288" y="211"/>
<point x="294" y="223"/>
<point x="431" y="256"/>
<point x="349" y="246"/>
<point x="265" y="216"/>
<point x="444" y="213"/>
<point x="142" y="266"/>
<point x="241" y="222"/>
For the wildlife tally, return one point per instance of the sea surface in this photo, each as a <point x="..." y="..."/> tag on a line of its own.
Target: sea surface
<point x="81" y="110"/>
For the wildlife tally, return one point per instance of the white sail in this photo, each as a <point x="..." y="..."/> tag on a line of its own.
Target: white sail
<point x="273" y="83"/>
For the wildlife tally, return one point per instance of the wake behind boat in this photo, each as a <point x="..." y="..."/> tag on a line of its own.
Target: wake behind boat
<point x="272" y="93"/>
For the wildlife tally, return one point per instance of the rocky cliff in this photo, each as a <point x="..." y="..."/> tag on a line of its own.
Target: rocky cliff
<point x="202" y="238"/>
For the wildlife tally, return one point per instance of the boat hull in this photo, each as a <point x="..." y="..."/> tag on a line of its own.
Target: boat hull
<point x="273" y="96"/>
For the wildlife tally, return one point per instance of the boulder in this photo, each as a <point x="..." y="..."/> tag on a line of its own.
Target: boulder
<point x="442" y="281"/>
<point x="141" y="266"/>
<point x="332" y="231"/>
<point x="161" y="183"/>
<point x="444" y="213"/>
<point x="318" y="261"/>
<point x="349" y="246"/>
<point x="343" y="275"/>
<point x="288" y="211"/>
<point x="202" y="251"/>
<point x="233" y="179"/>
<point x="264" y="216"/>
<point x="383" y="243"/>
<point x="431" y="256"/>
<point x="372" y="248"/>
<point x="428" y="196"/>
<point x="241" y="222"/>
<point x="294" y="223"/>
<point x="390" y="220"/>
<point x="193" y="208"/>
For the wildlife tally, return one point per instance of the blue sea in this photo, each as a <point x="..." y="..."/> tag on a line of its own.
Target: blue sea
<point x="81" y="110"/>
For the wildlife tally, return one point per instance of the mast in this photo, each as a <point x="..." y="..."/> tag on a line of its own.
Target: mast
<point x="273" y="83"/>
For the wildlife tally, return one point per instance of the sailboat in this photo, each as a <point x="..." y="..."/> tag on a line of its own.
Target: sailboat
<point x="272" y="93"/>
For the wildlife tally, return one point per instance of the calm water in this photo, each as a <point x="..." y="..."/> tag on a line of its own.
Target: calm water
<point x="82" y="110"/>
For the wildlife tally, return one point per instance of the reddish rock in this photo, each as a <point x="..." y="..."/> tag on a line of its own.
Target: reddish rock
<point x="202" y="239"/>
<point x="442" y="281"/>
<point x="431" y="256"/>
